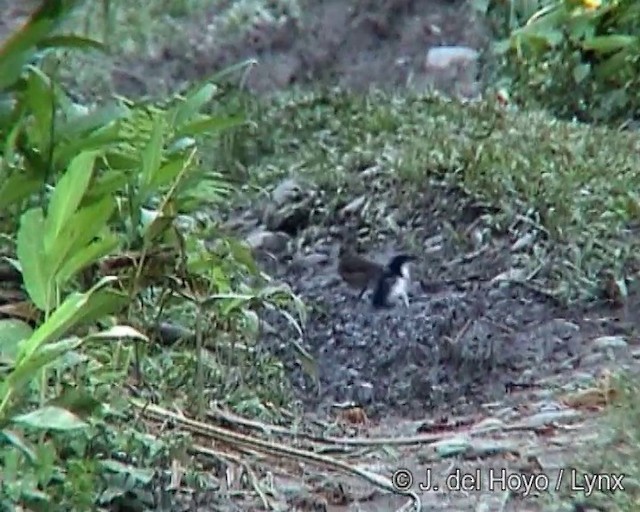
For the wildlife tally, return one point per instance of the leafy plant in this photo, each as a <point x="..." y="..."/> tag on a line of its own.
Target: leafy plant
<point x="580" y="57"/>
<point x="100" y="201"/>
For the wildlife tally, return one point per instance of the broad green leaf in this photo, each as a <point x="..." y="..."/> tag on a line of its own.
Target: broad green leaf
<point x="142" y="476"/>
<point x="67" y="196"/>
<point x="231" y="305"/>
<point x="18" y="187"/>
<point x="102" y="303"/>
<point x="99" y="118"/>
<point x="50" y="418"/>
<point x="607" y="44"/>
<point x="40" y="98"/>
<point x="55" y="326"/>
<point x="158" y="227"/>
<point x="8" y="437"/>
<point x="21" y="46"/>
<point x="151" y="158"/>
<point x="77" y="401"/>
<point x="12" y="66"/>
<point x="191" y="106"/>
<point x="542" y="38"/>
<point x="61" y="320"/>
<point x="35" y="269"/>
<point x="117" y="160"/>
<point x="12" y="332"/>
<point x="64" y="103"/>
<point x="208" y="125"/>
<point x="42" y="357"/>
<point x="86" y="256"/>
<point x="11" y="141"/>
<point x="100" y="140"/>
<point x="72" y="42"/>
<point x="84" y="226"/>
<point x="609" y="68"/>
<point x="167" y="173"/>
<point x="107" y="184"/>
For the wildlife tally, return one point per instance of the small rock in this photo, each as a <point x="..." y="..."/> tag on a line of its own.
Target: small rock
<point x="477" y="237"/>
<point x="610" y="342"/>
<point x="307" y="261"/>
<point x="286" y="191"/>
<point x="273" y="242"/>
<point x="446" y="56"/>
<point x="433" y="243"/>
<point x="289" y="208"/>
<point x="354" y="205"/>
<point x="593" y="359"/>
<point x="558" y="327"/>
<point x="363" y="393"/>
<point x="523" y="242"/>
<point x="372" y="171"/>
<point x="513" y="274"/>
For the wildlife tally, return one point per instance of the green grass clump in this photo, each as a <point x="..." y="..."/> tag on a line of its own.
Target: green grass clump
<point x="615" y="450"/>
<point x="578" y="184"/>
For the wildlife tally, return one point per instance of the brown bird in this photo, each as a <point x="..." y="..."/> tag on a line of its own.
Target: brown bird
<point x="356" y="270"/>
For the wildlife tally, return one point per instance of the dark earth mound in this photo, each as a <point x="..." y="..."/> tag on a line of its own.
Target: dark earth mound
<point x="466" y="338"/>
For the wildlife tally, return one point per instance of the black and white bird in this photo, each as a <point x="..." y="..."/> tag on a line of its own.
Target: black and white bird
<point x="394" y="283"/>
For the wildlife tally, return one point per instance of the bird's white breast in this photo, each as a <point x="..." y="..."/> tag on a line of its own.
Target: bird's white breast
<point x="400" y="288"/>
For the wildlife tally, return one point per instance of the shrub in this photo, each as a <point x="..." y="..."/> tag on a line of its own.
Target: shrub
<point x="95" y="211"/>
<point x="581" y="58"/>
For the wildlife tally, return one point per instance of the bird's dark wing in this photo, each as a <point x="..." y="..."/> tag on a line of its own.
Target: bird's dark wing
<point x="381" y="292"/>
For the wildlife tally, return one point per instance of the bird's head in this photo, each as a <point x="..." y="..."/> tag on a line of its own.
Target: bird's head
<point x="399" y="264"/>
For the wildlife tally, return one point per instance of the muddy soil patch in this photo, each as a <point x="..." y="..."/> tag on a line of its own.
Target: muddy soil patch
<point x="466" y="339"/>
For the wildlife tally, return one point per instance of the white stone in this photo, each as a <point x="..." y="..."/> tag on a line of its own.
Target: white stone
<point x="445" y="56"/>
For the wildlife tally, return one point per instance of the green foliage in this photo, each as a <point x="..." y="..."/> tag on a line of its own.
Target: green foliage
<point x="94" y="201"/>
<point x="580" y="58"/>
<point x="616" y="449"/>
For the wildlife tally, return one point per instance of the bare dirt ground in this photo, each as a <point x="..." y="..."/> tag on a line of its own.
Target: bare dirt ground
<point x="463" y="357"/>
<point x="356" y="44"/>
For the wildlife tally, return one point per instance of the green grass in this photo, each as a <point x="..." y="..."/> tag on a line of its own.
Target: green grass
<point x="577" y="184"/>
<point x="616" y="451"/>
